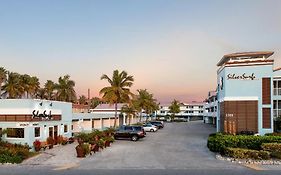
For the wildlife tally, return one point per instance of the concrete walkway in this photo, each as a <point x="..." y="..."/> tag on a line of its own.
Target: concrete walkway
<point x="177" y="146"/>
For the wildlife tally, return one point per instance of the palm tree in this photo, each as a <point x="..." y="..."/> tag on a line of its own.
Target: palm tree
<point x="146" y="102"/>
<point x="49" y="88"/>
<point x="41" y="93"/>
<point x="34" y="86"/>
<point x="24" y="81"/>
<point x="174" y="108"/>
<point x="82" y="100"/>
<point x="65" y="89"/>
<point x="95" y="101"/>
<point x="119" y="89"/>
<point x="3" y="78"/>
<point x="129" y="110"/>
<point x="13" y="88"/>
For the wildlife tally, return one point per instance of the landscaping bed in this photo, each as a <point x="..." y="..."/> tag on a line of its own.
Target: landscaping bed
<point x="93" y="142"/>
<point x="14" y="153"/>
<point x="246" y="147"/>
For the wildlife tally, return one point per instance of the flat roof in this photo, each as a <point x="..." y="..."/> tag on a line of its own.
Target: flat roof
<point x="248" y="55"/>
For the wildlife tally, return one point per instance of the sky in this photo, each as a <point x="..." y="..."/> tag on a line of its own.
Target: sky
<point x="171" y="47"/>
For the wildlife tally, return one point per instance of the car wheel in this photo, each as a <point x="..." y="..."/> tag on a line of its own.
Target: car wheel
<point x="116" y="138"/>
<point x="152" y="130"/>
<point x="134" y="138"/>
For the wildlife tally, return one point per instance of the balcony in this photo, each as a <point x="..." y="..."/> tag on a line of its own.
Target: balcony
<point x="277" y="91"/>
<point x="276" y="113"/>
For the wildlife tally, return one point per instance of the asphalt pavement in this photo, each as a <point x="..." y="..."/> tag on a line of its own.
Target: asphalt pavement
<point x="179" y="148"/>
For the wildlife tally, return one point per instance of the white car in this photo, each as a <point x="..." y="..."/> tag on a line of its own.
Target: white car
<point x="149" y="127"/>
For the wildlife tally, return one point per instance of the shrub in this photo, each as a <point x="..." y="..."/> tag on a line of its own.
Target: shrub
<point x="247" y="154"/>
<point x="86" y="148"/>
<point x="273" y="148"/>
<point x="219" y="142"/>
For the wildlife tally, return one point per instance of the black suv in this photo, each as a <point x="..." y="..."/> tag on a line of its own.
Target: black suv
<point x="132" y="132"/>
<point x="159" y="124"/>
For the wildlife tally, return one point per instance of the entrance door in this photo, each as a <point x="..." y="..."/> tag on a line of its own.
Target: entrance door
<point x="56" y="134"/>
<point x="51" y="133"/>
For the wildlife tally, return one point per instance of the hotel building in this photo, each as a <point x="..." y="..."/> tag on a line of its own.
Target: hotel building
<point x="27" y="119"/>
<point x="248" y="93"/>
<point x="188" y="111"/>
<point x="210" y="108"/>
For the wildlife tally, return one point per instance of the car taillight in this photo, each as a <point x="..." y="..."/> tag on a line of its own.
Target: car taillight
<point x="140" y="133"/>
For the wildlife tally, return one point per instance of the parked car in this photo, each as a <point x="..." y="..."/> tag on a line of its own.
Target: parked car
<point x="149" y="127"/>
<point x="132" y="132"/>
<point x="159" y="124"/>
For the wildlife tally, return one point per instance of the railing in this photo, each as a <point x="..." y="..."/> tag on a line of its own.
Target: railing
<point x="276" y="113"/>
<point x="277" y="91"/>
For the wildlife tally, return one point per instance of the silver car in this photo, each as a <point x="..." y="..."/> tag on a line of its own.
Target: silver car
<point x="150" y="128"/>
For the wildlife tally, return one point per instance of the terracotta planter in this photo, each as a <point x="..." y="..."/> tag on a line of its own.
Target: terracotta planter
<point x="80" y="152"/>
<point x="51" y="146"/>
<point x="107" y="144"/>
<point x="37" y="149"/>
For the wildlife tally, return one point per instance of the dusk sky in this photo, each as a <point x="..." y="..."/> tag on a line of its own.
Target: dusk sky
<point x="171" y="47"/>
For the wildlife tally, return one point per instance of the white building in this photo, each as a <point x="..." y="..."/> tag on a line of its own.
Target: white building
<point x="29" y="119"/>
<point x="249" y="97"/>
<point x="210" y="108"/>
<point x="189" y="111"/>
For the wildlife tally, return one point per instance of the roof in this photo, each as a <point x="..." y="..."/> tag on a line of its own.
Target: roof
<point x="277" y="69"/>
<point x="108" y="106"/>
<point x="247" y="55"/>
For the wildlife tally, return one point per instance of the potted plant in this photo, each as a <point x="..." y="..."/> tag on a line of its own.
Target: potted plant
<point x="60" y="139"/>
<point x="37" y="145"/>
<point x="70" y="140"/>
<point x="50" y="142"/>
<point x="82" y="150"/>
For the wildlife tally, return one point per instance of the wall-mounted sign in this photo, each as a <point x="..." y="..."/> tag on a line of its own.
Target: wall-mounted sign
<point x="244" y="76"/>
<point x="43" y="116"/>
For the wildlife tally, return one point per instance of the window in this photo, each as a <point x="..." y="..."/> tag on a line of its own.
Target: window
<point x="15" y="132"/>
<point x="37" y="131"/>
<point x="72" y="127"/>
<point x="65" y="128"/>
<point x="162" y="112"/>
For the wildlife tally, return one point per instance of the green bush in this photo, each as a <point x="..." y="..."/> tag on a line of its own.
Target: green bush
<point x="273" y="148"/>
<point x="247" y="154"/>
<point x="219" y="142"/>
<point x="13" y="153"/>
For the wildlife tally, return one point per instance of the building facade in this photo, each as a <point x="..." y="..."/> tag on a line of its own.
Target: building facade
<point x="210" y="108"/>
<point x="26" y="120"/>
<point x="247" y="93"/>
<point x="188" y="111"/>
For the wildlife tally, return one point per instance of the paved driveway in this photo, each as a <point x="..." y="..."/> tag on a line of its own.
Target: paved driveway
<point x="177" y="146"/>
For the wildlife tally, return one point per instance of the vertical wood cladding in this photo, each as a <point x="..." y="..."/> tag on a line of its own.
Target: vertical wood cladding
<point x="266" y="118"/>
<point x="237" y="116"/>
<point x="266" y="90"/>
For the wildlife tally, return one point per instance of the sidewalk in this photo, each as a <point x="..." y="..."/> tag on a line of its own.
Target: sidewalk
<point x="58" y="156"/>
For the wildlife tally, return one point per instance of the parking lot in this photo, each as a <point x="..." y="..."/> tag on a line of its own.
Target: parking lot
<point x="176" y="146"/>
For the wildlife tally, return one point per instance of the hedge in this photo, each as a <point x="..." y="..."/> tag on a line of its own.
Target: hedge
<point x="273" y="148"/>
<point x="219" y="142"/>
<point x="240" y="153"/>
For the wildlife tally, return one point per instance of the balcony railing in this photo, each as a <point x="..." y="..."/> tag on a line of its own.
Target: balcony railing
<point x="276" y="113"/>
<point x="277" y="91"/>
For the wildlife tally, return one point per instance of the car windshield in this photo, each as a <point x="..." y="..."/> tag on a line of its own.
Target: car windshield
<point x="138" y="128"/>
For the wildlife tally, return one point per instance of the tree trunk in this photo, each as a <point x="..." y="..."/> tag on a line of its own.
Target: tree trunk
<point x="115" y="118"/>
<point x="140" y="116"/>
<point x="130" y="119"/>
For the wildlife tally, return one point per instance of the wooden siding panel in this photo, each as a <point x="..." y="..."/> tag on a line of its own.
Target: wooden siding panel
<point x="266" y="118"/>
<point x="266" y="90"/>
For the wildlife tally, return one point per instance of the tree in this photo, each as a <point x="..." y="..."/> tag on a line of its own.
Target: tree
<point x="82" y="100"/>
<point x="41" y="94"/>
<point x="65" y="89"/>
<point x="129" y="110"/>
<point x="174" y="108"/>
<point x="12" y="88"/>
<point x="33" y="86"/>
<point x="146" y="102"/>
<point x="3" y="78"/>
<point x="95" y="101"/>
<point x="119" y="89"/>
<point x="49" y="88"/>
